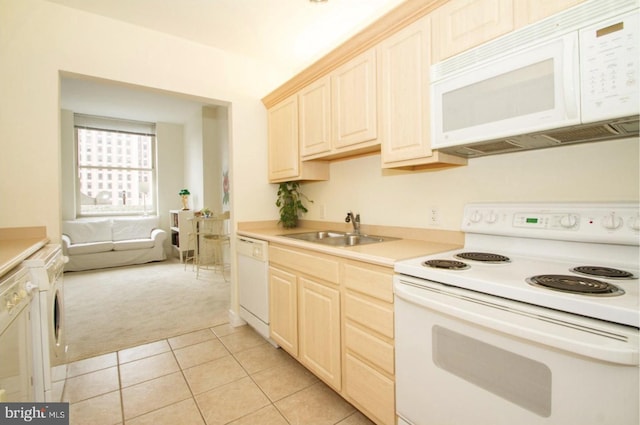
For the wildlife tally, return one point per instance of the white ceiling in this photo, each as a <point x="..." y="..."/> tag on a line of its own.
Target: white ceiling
<point x="291" y="34"/>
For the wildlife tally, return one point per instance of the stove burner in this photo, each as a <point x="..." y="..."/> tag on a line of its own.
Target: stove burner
<point x="602" y="272"/>
<point x="575" y="284"/>
<point x="446" y="264"/>
<point x="485" y="257"/>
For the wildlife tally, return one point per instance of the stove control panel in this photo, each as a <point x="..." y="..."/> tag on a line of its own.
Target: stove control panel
<point x="560" y="221"/>
<point x="617" y="223"/>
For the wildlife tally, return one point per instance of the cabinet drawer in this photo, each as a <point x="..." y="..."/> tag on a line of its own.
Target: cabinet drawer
<point x="374" y="315"/>
<point x="371" y="280"/>
<point x="310" y="263"/>
<point x="372" y="390"/>
<point x="367" y="346"/>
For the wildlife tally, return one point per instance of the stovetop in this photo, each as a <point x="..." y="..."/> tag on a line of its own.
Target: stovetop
<point x="552" y="245"/>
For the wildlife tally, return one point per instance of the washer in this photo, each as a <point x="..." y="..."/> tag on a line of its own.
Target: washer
<point x="16" y="369"/>
<point x="50" y="369"/>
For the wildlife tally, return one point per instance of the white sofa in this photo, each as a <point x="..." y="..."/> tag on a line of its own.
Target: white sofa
<point x="112" y="242"/>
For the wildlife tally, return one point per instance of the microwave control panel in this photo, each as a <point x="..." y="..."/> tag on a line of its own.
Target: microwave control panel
<point x="610" y="56"/>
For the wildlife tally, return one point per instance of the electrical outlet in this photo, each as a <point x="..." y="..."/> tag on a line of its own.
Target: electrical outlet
<point x="434" y="216"/>
<point x="323" y="211"/>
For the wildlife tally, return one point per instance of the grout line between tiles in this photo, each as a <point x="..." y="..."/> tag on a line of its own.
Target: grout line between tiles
<point x="271" y="402"/>
<point x="193" y="396"/>
<point x="120" y="388"/>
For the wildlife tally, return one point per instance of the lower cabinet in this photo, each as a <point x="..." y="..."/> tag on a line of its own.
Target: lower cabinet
<point x="335" y="316"/>
<point x="283" y="309"/>
<point x="319" y="330"/>
<point x="304" y="299"/>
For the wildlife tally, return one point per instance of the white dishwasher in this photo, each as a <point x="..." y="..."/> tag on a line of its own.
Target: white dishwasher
<point x="253" y="283"/>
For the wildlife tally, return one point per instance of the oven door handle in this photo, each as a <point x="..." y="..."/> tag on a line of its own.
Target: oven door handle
<point x="506" y="317"/>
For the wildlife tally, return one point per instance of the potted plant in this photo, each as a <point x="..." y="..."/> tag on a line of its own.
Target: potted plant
<point x="184" y="194"/>
<point x="290" y="203"/>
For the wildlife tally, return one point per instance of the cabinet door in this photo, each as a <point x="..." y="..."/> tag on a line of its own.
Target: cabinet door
<point x="404" y="94"/>
<point x="353" y="98"/>
<point x="319" y="330"/>
<point x="529" y="11"/>
<point x="315" y="117"/>
<point x="283" y="309"/>
<point x="284" y="161"/>
<point x="460" y="25"/>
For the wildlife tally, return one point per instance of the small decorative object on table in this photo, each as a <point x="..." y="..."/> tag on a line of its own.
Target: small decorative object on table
<point x="184" y="194"/>
<point x="290" y="203"/>
<point x="206" y="212"/>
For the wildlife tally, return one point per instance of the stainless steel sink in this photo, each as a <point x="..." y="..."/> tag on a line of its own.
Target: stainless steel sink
<point x="336" y="238"/>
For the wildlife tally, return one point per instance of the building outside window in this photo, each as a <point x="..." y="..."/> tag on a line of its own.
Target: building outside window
<point x="114" y="184"/>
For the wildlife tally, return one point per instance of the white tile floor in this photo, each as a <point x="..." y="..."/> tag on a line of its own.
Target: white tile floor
<point x="221" y="375"/>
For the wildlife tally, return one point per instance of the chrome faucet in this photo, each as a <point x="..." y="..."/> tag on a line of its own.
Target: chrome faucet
<point x="355" y="220"/>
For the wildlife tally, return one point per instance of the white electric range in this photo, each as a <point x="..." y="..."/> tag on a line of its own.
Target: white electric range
<point x="542" y="299"/>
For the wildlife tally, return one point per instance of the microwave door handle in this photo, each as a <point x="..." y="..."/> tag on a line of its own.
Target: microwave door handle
<point x="570" y="75"/>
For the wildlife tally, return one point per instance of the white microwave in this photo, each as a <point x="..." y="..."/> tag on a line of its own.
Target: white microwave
<point x="571" y="78"/>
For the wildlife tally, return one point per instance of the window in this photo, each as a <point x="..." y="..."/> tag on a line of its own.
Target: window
<point x="111" y="184"/>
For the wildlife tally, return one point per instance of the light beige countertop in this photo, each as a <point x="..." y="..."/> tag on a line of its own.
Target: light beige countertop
<point x="18" y="243"/>
<point x="413" y="243"/>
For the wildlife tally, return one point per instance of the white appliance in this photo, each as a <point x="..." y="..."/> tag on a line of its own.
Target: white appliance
<point x="50" y="369"/>
<point x="253" y="283"/>
<point x="573" y="77"/>
<point x="534" y="321"/>
<point x="16" y="294"/>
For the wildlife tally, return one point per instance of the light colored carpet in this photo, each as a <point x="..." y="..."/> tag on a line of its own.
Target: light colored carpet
<point x="112" y="309"/>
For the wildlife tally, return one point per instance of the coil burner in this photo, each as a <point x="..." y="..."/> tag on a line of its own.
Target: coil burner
<point x="446" y="264"/>
<point x="605" y="272"/>
<point x="485" y="257"/>
<point x="575" y="285"/>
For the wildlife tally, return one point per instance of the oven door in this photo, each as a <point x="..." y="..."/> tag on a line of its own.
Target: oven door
<point x="464" y="357"/>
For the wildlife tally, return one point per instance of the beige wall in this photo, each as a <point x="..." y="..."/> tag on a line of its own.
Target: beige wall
<point x="215" y="154"/>
<point x="605" y="171"/>
<point x="39" y="39"/>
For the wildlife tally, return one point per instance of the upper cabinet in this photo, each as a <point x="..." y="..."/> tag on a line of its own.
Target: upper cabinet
<point x="338" y="111"/>
<point x="371" y="94"/>
<point x="462" y="24"/>
<point x="526" y="12"/>
<point x="283" y="140"/>
<point x="353" y="91"/>
<point x="404" y="93"/>
<point x="403" y="109"/>
<point x="315" y="117"/>
<point x="284" y="152"/>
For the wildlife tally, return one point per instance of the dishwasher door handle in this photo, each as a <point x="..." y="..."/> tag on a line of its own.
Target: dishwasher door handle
<point x="253" y="248"/>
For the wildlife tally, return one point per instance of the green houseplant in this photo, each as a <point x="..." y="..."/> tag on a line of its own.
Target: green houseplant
<point x="184" y="194"/>
<point x="290" y="203"/>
